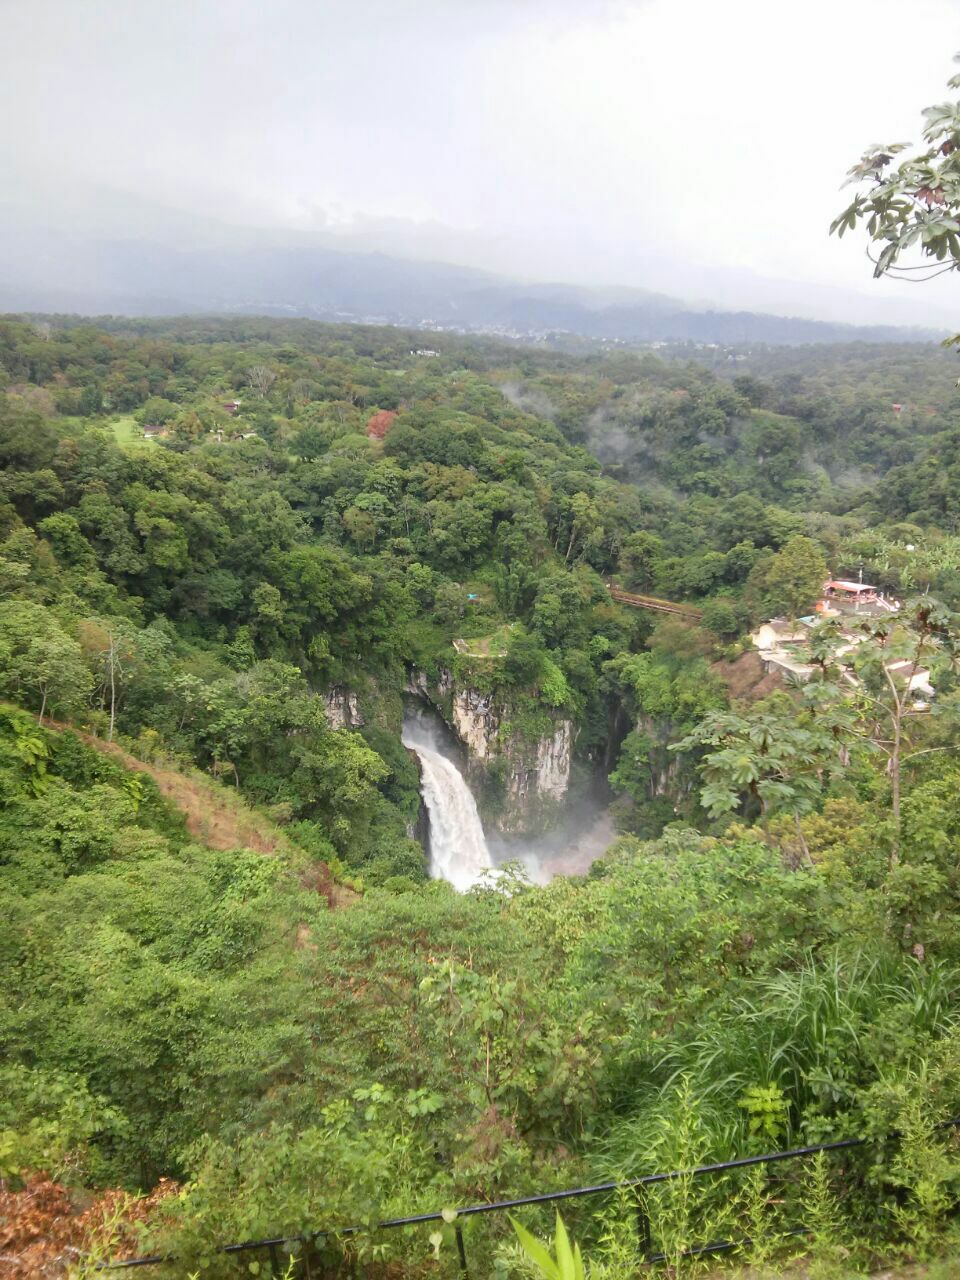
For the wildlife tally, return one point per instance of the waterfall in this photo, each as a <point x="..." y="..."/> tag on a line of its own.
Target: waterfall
<point x="458" y="848"/>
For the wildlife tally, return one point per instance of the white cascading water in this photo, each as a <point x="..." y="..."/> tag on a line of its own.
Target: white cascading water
<point x="458" y="847"/>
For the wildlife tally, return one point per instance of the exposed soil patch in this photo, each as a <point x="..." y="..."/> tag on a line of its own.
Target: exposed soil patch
<point x="746" y="679"/>
<point x="214" y="817"/>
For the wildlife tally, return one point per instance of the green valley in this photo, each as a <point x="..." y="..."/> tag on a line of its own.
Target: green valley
<point x="227" y="971"/>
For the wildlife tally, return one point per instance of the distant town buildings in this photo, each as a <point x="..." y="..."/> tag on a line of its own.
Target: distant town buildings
<point x="783" y="644"/>
<point x="218" y="436"/>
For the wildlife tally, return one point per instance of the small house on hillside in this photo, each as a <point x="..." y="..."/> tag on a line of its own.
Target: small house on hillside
<point x="917" y="679"/>
<point x="778" y="642"/>
<point x="155" y="430"/>
<point x="231" y="406"/>
<point x="782" y="647"/>
<point x="779" y="632"/>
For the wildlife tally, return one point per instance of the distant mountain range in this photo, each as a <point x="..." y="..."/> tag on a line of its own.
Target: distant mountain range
<point x="42" y="269"/>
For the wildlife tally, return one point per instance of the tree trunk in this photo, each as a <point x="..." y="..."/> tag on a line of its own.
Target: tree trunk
<point x="895" y="792"/>
<point x="896" y="718"/>
<point x="113" y="688"/>
<point x="807" y="860"/>
<point x="764" y="816"/>
<point x="573" y="537"/>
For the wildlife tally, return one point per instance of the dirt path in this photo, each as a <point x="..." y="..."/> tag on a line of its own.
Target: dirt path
<point x="214" y="816"/>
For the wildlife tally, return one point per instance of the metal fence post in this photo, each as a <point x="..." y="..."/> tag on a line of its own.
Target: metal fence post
<point x="461" y="1251"/>
<point x="643" y="1229"/>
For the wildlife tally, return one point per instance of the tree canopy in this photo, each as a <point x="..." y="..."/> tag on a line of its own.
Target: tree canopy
<point x="215" y="630"/>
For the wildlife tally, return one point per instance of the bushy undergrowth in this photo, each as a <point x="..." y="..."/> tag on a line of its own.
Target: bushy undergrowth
<point x="227" y="597"/>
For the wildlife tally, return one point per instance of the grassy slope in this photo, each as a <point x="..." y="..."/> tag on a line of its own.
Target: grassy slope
<point x="128" y="432"/>
<point x="217" y="815"/>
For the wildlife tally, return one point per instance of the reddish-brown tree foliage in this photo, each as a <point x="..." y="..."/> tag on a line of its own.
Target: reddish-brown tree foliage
<point x="43" y="1232"/>
<point x="380" y="424"/>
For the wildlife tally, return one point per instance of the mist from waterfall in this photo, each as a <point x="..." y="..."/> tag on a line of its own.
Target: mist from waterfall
<point x="458" y="847"/>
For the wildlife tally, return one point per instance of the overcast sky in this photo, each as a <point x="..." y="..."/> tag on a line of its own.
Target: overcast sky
<point x="646" y="142"/>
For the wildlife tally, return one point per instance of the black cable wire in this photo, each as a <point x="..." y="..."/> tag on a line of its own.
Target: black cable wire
<point x="549" y="1197"/>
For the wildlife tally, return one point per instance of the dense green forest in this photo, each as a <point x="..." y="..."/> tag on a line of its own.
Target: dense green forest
<point x="213" y="532"/>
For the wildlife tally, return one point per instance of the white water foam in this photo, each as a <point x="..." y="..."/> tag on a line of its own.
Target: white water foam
<point x="458" y="847"/>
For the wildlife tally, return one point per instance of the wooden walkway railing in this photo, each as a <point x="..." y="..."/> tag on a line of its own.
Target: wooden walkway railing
<point x="652" y="602"/>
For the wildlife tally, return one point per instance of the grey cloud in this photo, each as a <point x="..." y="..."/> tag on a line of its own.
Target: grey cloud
<point x="674" y="145"/>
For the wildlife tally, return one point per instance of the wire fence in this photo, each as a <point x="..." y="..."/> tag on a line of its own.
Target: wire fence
<point x="299" y="1246"/>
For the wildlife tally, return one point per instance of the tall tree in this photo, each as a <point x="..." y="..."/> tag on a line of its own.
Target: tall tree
<point x="39" y="662"/>
<point x="788" y="581"/>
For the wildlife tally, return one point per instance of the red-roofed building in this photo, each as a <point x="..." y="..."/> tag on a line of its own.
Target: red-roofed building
<point x="843" y="595"/>
<point x="840" y="589"/>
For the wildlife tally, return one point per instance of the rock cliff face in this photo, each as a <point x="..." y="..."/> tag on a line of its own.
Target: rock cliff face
<point x="554" y="759"/>
<point x="538" y="775"/>
<point x="475" y="723"/>
<point x="669" y="776"/>
<point x="342" y="708"/>
<point x="418" y="682"/>
<point x="535" y="775"/>
<point x="419" y="829"/>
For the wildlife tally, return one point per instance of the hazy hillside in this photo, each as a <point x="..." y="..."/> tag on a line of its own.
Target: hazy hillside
<point x="42" y="269"/>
